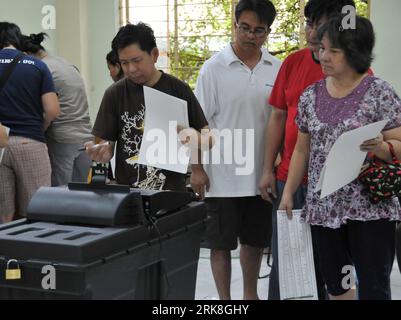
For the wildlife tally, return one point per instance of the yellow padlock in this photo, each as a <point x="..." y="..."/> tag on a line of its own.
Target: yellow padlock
<point x="15" y="273"/>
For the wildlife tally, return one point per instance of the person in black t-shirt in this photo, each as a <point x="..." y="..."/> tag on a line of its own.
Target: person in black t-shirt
<point x="121" y="115"/>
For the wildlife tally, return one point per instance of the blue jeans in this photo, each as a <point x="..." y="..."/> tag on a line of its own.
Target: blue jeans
<point x="299" y="200"/>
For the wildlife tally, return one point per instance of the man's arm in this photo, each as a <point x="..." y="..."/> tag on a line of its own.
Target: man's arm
<point x="198" y="142"/>
<point x="199" y="180"/>
<point x="205" y="92"/>
<point x="274" y="137"/>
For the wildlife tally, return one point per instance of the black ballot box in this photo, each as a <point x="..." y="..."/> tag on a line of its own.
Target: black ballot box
<point x="98" y="244"/>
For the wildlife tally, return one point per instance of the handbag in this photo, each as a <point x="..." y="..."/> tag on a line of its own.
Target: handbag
<point x="381" y="179"/>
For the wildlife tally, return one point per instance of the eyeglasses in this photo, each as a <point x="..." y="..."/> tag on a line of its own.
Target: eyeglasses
<point x="258" y="32"/>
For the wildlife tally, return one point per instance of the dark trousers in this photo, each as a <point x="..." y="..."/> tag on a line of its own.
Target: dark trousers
<point x="367" y="245"/>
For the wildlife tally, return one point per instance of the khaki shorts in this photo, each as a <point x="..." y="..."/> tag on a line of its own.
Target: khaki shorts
<point x="24" y="169"/>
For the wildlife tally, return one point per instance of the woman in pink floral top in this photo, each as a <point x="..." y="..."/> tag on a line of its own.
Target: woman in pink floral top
<point x="347" y="228"/>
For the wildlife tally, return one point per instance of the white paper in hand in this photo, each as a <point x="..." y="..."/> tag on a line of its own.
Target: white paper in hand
<point x="295" y="255"/>
<point x="345" y="158"/>
<point x="160" y="146"/>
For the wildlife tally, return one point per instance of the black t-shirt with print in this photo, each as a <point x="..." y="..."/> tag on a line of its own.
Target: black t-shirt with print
<point x="121" y="119"/>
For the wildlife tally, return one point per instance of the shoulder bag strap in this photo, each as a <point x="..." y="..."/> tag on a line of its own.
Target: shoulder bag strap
<point x="9" y="70"/>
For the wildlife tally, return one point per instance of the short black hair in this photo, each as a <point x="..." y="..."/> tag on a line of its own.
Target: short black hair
<point x="264" y="9"/>
<point x="10" y="34"/>
<point x="112" y="58"/>
<point x="316" y="9"/>
<point x="33" y="42"/>
<point x="357" y="43"/>
<point x="140" y="34"/>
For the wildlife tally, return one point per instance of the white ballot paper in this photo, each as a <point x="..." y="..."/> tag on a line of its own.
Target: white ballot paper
<point x="161" y="147"/>
<point x="345" y="159"/>
<point x="2" y="149"/>
<point x="295" y="258"/>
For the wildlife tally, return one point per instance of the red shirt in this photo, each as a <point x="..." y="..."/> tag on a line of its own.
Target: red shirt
<point x="297" y="72"/>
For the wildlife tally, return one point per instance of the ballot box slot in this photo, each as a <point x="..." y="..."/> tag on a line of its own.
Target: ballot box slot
<point x="27" y="230"/>
<point x="52" y="233"/>
<point x="82" y="235"/>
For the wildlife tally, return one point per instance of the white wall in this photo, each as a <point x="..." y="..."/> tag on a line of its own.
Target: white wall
<point x="83" y="35"/>
<point x="102" y="26"/>
<point x="27" y="14"/>
<point x="386" y="18"/>
<point x="87" y="28"/>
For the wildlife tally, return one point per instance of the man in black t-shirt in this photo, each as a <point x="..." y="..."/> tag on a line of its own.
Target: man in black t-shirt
<point x="121" y="115"/>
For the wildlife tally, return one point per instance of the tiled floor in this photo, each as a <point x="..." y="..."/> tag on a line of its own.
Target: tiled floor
<point x="206" y="290"/>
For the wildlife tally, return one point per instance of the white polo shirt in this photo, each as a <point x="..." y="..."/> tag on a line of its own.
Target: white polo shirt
<point x="234" y="100"/>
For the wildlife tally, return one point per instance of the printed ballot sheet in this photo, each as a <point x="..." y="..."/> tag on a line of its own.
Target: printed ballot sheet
<point x="345" y="158"/>
<point x="2" y="149"/>
<point x="295" y="256"/>
<point x="160" y="146"/>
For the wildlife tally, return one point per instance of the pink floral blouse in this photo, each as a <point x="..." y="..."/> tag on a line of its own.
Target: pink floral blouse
<point x="325" y="118"/>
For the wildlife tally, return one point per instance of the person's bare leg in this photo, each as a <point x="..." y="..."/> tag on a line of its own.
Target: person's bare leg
<point x="251" y="259"/>
<point x="221" y="267"/>
<point x="349" y="295"/>
<point x="6" y="218"/>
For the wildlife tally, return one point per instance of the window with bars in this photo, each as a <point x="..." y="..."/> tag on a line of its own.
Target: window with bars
<point x="190" y="31"/>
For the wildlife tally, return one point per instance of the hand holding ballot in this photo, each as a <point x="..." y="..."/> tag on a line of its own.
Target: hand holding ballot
<point x="295" y="253"/>
<point x="339" y="170"/>
<point x="373" y="144"/>
<point x="287" y="204"/>
<point x="188" y="136"/>
<point x="194" y="139"/>
<point x="101" y="152"/>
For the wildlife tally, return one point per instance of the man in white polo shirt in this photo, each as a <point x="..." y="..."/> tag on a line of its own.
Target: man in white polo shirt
<point x="233" y="88"/>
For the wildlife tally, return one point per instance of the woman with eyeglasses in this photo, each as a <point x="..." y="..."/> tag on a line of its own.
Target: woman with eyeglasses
<point x="347" y="228"/>
<point x="298" y="71"/>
